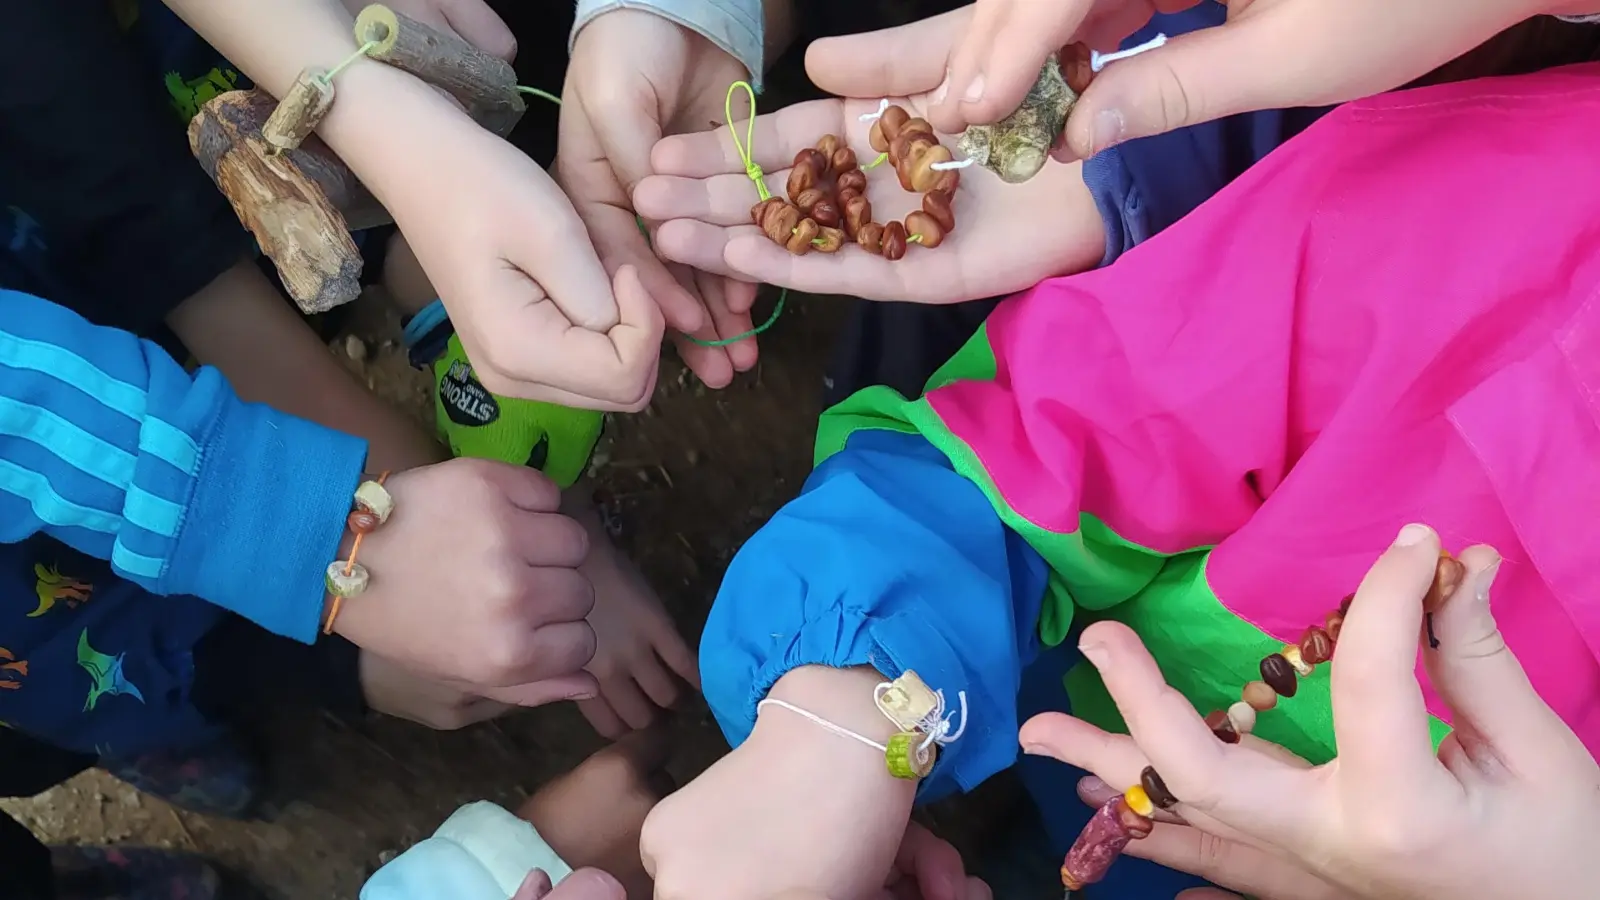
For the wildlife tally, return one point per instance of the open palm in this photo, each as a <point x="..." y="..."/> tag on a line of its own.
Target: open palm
<point x="1007" y="237"/>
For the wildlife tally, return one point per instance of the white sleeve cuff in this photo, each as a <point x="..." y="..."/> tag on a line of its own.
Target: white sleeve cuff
<point x="734" y="25"/>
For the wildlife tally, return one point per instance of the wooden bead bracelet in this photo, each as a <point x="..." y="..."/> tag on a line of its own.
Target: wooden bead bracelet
<point x="370" y="508"/>
<point x="827" y="187"/>
<point x="1129" y="817"/>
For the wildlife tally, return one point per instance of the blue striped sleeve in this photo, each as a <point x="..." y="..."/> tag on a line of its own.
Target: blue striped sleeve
<point x="108" y="445"/>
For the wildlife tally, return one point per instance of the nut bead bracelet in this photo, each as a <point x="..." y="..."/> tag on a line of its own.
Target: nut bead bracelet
<point x="1128" y="817"/>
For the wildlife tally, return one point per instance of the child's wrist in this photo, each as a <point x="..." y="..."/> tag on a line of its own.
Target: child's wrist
<point x="374" y="124"/>
<point x="841" y="696"/>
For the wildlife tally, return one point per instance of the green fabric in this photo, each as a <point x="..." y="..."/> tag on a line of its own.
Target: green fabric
<point x="556" y="440"/>
<point x="1205" y="651"/>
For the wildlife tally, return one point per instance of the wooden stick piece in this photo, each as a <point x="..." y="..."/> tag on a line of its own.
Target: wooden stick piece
<point x="301" y="111"/>
<point x="484" y="84"/>
<point x="289" y="213"/>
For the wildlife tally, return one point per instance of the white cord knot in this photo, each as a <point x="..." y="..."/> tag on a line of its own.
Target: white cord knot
<point x="1098" y="60"/>
<point x="883" y="107"/>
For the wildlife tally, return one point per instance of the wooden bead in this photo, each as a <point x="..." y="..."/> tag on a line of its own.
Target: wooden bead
<point x="800" y="242"/>
<point x="374" y="498"/>
<point x="925" y="229"/>
<point x="853" y="180"/>
<point x="1138" y="800"/>
<point x="829" y="240"/>
<point x="361" y="522"/>
<point x="948" y="180"/>
<point x="924" y="177"/>
<point x="1222" y="728"/>
<point x="890" y="123"/>
<point x="1316" y="647"/>
<point x="1242" y="716"/>
<point x="828" y="146"/>
<point x="938" y="205"/>
<point x="906" y="147"/>
<point x="1260" y="696"/>
<point x="857" y="212"/>
<point x="1279" y="675"/>
<point x="894" y="241"/>
<point x="1333" y="624"/>
<point x="1291" y="652"/>
<point x="1151" y="781"/>
<point x="870" y="237"/>
<point x="844" y="160"/>
<point x="1447" y="577"/>
<point x="779" y="221"/>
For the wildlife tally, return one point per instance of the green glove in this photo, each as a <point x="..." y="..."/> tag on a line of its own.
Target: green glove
<point x="556" y="440"/>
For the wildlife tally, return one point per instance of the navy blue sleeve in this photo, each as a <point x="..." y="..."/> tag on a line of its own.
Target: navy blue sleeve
<point x="1143" y="186"/>
<point x="890" y="559"/>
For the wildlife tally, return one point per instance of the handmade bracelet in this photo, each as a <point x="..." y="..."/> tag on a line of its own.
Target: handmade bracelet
<point x="1128" y="817"/>
<point x="371" y="507"/>
<point x="915" y="709"/>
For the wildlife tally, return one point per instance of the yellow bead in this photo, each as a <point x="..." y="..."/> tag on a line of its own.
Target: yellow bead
<point x="903" y="759"/>
<point x="1138" y="801"/>
<point x="1291" y="652"/>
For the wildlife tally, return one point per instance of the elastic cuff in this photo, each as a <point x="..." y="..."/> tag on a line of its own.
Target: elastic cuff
<point x="1117" y="198"/>
<point x="266" y="518"/>
<point x="427" y="334"/>
<point x="418" y="326"/>
<point x="736" y="26"/>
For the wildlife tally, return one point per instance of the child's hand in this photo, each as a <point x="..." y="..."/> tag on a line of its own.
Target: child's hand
<point x="591" y="817"/>
<point x="1007" y="237"/>
<point x="396" y="691"/>
<point x="474" y="579"/>
<point x="1509" y="807"/>
<point x="474" y="21"/>
<point x="584" y="884"/>
<point x="795" y="806"/>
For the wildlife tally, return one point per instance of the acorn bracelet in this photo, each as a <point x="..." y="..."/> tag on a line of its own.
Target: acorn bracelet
<point x="1128" y="817"/>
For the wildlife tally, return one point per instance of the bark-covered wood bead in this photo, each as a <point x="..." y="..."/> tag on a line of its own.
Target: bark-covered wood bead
<point x="1222" y="728"/>
<point x="1242" y="716"/>
<point x="894" y="241"/>
<point x="870" y="237"/>
<point x="1447" y="576"/>
<point x="938" y="205"/>
<point x="1151" y="781"/>
<point x="1260" y="696"/>
<point x="925" y="229"/>
<point x="361" y="522"/>
<point x="890" y="123"/>
<point x="804" y="233"/>
<point x="346" y="579"/>
<point x="857" y="212"/>
<point x="844" y="160"/>
<point x="853" y="180"/>
<point x="828" y="146"/>
<point x="1279" y="675"/>
<point x="829" y="240"/>
<point x="1316" y="646"/>
<point x="924" y="177"/>
<point x="1291" y="652"/>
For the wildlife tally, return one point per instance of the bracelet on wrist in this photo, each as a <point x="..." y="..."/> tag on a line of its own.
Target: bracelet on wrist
<point x="371" y="507"/>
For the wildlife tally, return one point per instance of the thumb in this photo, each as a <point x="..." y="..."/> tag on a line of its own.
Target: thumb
<point x="480" y="26"/>
<point x="1482" y="681"/>
<point x="892" y="62"/>
<point x="588" y="884"/>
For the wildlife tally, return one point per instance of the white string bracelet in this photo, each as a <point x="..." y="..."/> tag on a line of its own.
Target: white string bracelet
<point x="815" y="719"/>
<point x="1098" y="60"/>
<point x="953" y="164"/>
<point x="935" y="727"/>
<point x="883" y="107"/>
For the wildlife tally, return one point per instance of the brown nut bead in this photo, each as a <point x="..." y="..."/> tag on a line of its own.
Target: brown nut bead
<point x="893" y="119"/>
<point x="853" y="180"/>
<point x="917" y="124"/>
<point x="924" y="177"/>
<point x="844" y="197"/>
<point x="904" y="149"/>
<point x="826" y="214"/>
<point x="361" y="522"/>
<point x="870" y="237"/>
<point x="800" y="242"/>
<point x="1156" y="789"/>
<point x="938" y="205"/>
<point x="809" y="198"/>
<point x="779" y="222"/>
<point x="801" y="179"/>
<point x="759" y="212"/>
<point x="829" y="240"/>
<point x="1077" y="67"/>
<point x="894" y="241"/>
<point x="926" y="230"/>
<point x="812" y="159"/>
<point x="1279" y="675"/>
<point x="948" y="180"/>
<point x="876" y="139"/>
<point x="828" y="146"/>
<point x="1316" y="646"/>
<point x="844" y="160"/>
<point x="857" y="213"/>
<point x="1447" y="577"/>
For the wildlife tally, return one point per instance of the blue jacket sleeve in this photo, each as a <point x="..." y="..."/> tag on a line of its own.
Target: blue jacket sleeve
<point x="1145" y="185"/>
<point x="108" y="445"/>
<point x="889" y="558"/>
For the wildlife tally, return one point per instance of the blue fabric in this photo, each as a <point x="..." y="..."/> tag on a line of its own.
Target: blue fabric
<point x="91" y="662"/>
<point x="1145" y="185"/>
<point x="891" y="559"/>
<point x="109" y="446"/>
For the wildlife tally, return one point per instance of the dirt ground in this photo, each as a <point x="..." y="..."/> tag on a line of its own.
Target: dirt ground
<point x="693" y="475"/>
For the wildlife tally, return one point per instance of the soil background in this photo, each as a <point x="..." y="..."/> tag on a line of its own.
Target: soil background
<point x="694" y="475"/>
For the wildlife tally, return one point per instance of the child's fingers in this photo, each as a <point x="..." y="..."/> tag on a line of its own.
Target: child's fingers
<point x="777" y="138"/>
<point x="1379" y="718"/>
<point x="602" y="718"/>
<point x="892" y="62"/>
<point x="700" y="245"/>
<point x="1232" y="864"/>
<point x="630" y="702"/>
<point x="741" y="354"/>
<point x="1484" y="684"/>
<point x="851" y="271"/>
<point x="657" y="682"/>
<point x="719" y="199"/>
<point x="680" y="658"/>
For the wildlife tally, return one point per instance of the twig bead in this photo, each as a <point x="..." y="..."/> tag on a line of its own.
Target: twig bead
<point x="1279" y="675"/>
<point x="826" y="213"/>
<point x="1260" y="696"/>
<point x="853" y="180"/>
<point x="893" y="119"/>
<point x="844" y="160"/>
<point x="876" y="139"/>
<point x="857" y="212"/>
<point x="829" y="240"/>
<point x="341" y="583"/>
<point x="809" y="198"/>
<point x="1151" y="781"/>
<point x="827" y="147"/>
<point x="923" y="176"/>
<point x="373" y="497"/>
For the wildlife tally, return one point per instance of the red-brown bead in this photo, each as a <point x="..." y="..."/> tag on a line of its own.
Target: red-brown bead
<point x="894" y="241"/>
<point x="853" y="180"/>
<point x="361" y="522"/>
<point x="927" y="231"/>
<point x="870" y="237"/>
<point x="1222" y="727"/>
<point x="1279" y="675"/>
<point x="844" y="160"/>
<point x="1316" y="646"/>
<point x="938" y="205"/>
<point x="1156" y="789"/>
<point x="1333" y="624"/>
<point x="857" y="212"/>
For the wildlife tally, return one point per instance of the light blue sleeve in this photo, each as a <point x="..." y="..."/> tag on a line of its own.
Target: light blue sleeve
<point x="889" y="558"/>
<point x="482" y="852"/>
<point x="737" y="26"/>
<point x="109" y="446"/>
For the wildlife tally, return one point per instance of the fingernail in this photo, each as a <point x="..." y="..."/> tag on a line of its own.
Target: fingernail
<point x="974" y="91"/>
<point x="582" y="695"/>
<point x="1486" y="580"/>
<point x="1109" y="127"/>
<point x="1091" y="783"/>
<point x="1095" y="652"/>
<point x="943" y="90"/>
<point x="1033" y="749"/>
<point x="1412" y="535"/>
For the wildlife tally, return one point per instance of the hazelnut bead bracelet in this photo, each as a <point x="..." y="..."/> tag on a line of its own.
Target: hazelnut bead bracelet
<point x="371" y="507"/>
<point x="1129" y="817"/>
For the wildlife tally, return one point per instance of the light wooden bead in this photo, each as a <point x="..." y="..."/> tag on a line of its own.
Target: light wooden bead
<point x="1243" y="717"/>
<point x="375" y="498"/>
<point x="342" y="584"/>
<point x="1260" y="696"/>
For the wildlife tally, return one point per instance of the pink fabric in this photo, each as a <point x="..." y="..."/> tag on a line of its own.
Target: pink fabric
<point x="1394" y="318"/>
